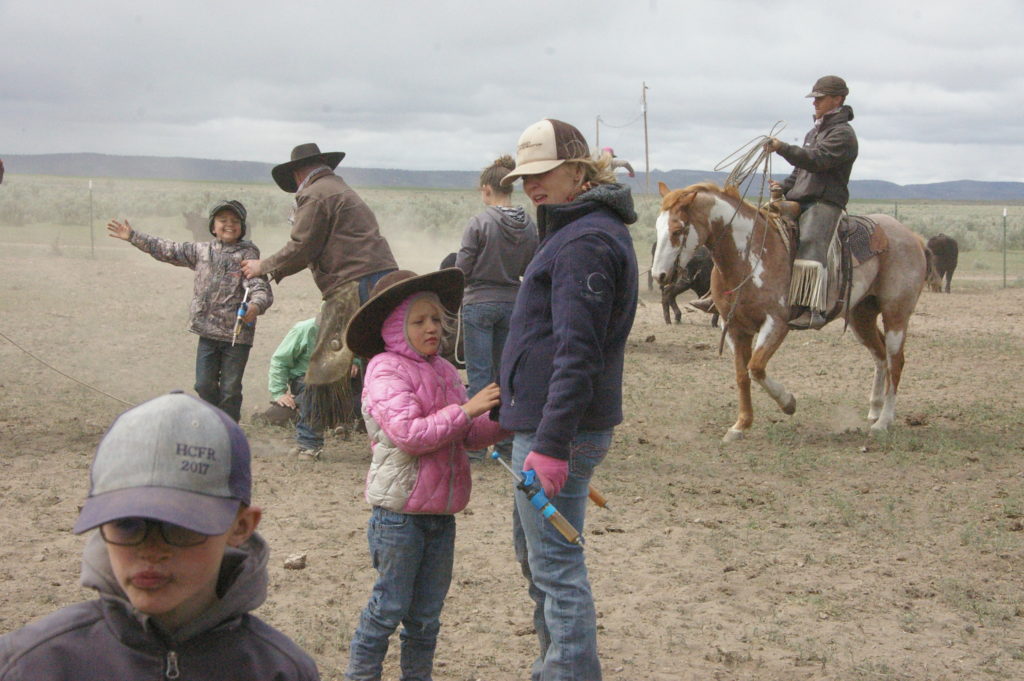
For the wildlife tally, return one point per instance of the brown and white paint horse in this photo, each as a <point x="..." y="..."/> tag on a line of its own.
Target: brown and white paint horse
<point x="750" y="287"/>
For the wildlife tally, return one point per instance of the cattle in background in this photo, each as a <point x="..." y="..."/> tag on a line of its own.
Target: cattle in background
<point x="697" y="276"/>
<point x="198" y="225"/>
<point x="943" y="262"/>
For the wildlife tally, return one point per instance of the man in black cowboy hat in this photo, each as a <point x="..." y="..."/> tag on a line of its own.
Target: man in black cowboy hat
<point x="819" y="184"/>
<point x="335" y="235"/>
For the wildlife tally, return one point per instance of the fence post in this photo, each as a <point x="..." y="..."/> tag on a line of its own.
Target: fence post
<point x="1004" y="247"/>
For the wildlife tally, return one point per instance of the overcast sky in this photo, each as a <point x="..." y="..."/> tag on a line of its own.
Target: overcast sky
<point x="937" y="87"/>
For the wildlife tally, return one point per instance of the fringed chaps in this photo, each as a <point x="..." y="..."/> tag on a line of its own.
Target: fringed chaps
<point x="328" y="378"/>
<point x="809" y="284"/>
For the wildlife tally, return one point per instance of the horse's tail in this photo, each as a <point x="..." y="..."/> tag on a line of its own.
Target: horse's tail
<point x="929" y="267"/>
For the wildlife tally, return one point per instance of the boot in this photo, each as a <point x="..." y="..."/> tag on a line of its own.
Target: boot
<point x="808" y="319"/>
<point x="705" y="304"/>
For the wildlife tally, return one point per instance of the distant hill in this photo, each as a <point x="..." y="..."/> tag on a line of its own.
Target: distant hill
<point x="209" y="170"/>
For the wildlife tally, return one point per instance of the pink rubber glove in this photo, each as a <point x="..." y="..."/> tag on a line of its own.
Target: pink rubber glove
<point x="551" y="472"/>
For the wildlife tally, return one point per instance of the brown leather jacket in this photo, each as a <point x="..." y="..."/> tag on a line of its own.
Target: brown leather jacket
<point x="335" y="234"/>
<point x="823" y="164"/>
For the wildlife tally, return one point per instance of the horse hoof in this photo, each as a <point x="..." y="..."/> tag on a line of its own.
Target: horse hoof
<point x="878" y="431"/>
<point x="732" y="435"/>
<point x="790" y="407"/>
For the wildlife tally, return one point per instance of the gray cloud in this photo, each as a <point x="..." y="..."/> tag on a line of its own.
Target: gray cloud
<point x="937" y="88"/>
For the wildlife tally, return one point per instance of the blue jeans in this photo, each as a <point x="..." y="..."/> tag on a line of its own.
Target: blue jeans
<point x="563" y="614"/>
<point x="306" y="435"/>
<point x="367" y="282"/>
<point x="219" y="369"/>
<point x="413" y="556"/>
<point x="485" y="330"/>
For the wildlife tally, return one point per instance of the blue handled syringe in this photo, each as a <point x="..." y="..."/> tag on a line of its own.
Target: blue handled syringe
<point x="527" y="482"/>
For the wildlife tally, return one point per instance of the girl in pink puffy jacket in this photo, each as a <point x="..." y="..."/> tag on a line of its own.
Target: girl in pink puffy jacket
<point x="420" y="424"/>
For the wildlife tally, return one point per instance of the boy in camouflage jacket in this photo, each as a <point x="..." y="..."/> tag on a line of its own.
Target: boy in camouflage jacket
<point x="219" y="290"/>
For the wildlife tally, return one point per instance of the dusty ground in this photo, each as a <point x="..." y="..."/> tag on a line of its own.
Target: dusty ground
<point x="804" y="552"/>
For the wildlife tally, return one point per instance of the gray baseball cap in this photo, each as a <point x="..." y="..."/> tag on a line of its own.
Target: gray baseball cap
<point x="176" y="459"/>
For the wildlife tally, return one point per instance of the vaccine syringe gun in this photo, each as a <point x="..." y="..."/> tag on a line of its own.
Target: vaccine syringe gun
<point x="242" y="309"/>
<point x="531" y="487"/>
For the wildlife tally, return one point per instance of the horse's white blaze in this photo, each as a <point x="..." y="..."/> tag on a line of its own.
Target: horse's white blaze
<point x="664" y="253"/>
<point x="764" y="332"/>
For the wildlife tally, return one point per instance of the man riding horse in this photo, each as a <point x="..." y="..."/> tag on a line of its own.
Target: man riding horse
<point x="819" y="184"/>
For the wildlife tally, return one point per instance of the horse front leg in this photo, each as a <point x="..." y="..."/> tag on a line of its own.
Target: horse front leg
<point x="773" y="331"/>
<point x="740" y="344"/>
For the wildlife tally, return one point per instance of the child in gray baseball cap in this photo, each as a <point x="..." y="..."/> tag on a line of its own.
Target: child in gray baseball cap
<point x="177" y="562"/>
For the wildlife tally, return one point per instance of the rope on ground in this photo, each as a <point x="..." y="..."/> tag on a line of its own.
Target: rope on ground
<point x="70" y="378"/>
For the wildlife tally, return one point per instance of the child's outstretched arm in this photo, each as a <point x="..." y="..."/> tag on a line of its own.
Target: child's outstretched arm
<point x="164" y="250"/>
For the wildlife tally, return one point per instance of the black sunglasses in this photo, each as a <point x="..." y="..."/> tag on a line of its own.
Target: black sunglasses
<point x="133" y="531"/>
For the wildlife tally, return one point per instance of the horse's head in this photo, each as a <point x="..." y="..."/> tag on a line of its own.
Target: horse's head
<point x="681" y="228"/>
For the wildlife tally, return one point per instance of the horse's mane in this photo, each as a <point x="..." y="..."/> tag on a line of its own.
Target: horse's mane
<point x="729" y="191"/>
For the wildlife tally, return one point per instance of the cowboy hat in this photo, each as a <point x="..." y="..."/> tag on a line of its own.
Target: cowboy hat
<point x="303" y="154"/>
<point x="362" y="336"/>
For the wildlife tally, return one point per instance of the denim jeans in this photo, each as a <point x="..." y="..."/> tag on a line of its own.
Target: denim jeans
<point x="219" y="369"/>
<point x="306" y="435"/>
<point x="564" y="613"/>
<point x="413" y="556"/>
<point x="485" y="330"/>
<point x="367" y="282"/>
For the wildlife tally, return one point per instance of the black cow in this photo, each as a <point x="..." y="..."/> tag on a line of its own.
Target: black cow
<point x="696" y="275"/>
<point x="198" y="225"/>
<point x="943" y="262"/>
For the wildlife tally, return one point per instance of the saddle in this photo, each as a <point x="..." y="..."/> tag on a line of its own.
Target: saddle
<point x="855" y="241"/>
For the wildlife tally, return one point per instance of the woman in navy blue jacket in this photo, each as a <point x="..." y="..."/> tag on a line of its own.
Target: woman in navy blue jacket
<point x="561" y="374"/>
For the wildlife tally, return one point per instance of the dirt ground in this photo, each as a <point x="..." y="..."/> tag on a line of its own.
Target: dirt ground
<point x="806" y="551"/>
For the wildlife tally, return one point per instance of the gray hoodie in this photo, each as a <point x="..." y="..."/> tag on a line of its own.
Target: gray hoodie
<point x="107" y="638"/>
<point x="497" y="245"/>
